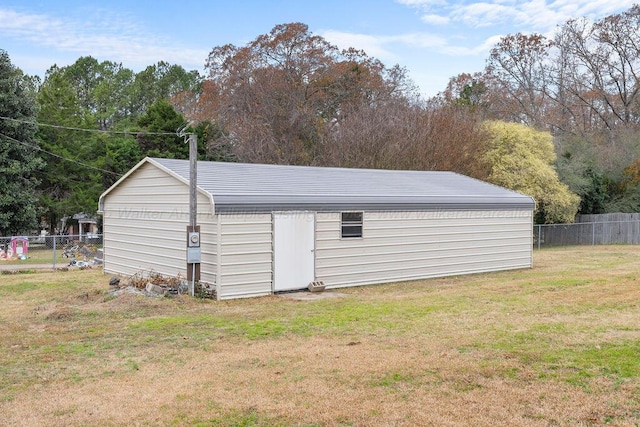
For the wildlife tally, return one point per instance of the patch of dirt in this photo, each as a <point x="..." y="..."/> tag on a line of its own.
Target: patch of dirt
<point x="63" y="313"/>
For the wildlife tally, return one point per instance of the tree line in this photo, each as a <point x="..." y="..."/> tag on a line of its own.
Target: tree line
<point x="582" y="86"/>
<point x="552" y="118"/>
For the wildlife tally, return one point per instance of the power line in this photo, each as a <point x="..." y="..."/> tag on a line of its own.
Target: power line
<point x="35" y="147"/>
<point x="122" y="132"/>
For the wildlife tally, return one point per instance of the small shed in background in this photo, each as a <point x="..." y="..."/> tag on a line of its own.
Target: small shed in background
<point x="272" y="228"/>
<point x="83" y="227"/>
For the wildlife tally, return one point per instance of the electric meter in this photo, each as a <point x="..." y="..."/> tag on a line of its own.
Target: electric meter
<point x="194" y="239"/>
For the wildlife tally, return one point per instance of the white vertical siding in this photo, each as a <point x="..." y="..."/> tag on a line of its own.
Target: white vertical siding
<point x="145" y="221"/>
<point x="246" y="260"/>
<point x="411" y="245"/>
<point x="208" y="243"/>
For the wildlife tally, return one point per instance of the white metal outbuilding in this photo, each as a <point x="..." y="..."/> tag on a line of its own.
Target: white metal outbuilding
<point x="271" y="228"/>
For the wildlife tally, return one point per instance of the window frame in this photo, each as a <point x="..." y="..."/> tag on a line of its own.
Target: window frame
<point x="354" y="225"/>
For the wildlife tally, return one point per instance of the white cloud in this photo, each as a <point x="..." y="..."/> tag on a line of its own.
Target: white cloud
<point x="101" y="35"/>
<point x="372" y="45"/>
<point x="435" y="19"/>
<point x="536" y="15"/>
<point x="469" y="29"/>
<point x="24" y="25"/>
<point x="475" y="50"/>
<point x="381" y="47"/>
<point x="568" y="9"/>
<point x="485" y="14"/>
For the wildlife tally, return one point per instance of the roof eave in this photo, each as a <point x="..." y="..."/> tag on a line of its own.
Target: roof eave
<point x="386" y="207"/>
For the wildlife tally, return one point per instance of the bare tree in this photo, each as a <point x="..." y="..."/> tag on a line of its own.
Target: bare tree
<point x="397" y="135"/>
<point x="585" y="79"/>
<point x="601" y="69"/>
<point x="517" y="75"/>
<point x="279" y="96"/>
<point x="290" y="97"/>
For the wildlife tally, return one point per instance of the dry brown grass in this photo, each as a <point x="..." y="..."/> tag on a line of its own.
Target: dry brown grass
<point x="554" y="345"/>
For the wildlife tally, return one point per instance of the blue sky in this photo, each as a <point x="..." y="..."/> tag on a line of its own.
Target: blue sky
<point x="433" y="39"/>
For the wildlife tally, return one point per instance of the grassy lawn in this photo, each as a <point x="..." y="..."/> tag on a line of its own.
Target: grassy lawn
<point x="556" y="345"/>
<point x="39" y="256"/>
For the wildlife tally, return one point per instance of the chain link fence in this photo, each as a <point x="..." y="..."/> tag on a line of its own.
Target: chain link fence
<point x="55" y="250"/>
<point x="65" y="248"/>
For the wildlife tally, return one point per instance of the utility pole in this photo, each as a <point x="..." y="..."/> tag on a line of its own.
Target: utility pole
<point x="193" y="179"/>
<point x="193" y="229"/>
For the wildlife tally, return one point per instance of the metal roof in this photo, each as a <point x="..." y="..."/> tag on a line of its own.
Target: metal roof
<point x="245" y="187"/>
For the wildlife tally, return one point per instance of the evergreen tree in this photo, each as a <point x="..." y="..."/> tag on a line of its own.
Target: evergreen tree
<point x="160" y="118"/>
<point x="19" y="158"/>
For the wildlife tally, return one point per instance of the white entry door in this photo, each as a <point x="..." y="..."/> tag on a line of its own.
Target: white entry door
<point x="293" y="247"/>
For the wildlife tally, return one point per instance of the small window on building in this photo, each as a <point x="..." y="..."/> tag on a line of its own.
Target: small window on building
<point x="351" y="224"/>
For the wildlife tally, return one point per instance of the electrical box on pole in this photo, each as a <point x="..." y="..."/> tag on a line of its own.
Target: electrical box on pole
<point x="193" y="246"/>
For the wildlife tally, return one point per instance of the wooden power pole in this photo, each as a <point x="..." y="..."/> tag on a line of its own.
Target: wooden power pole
<point x="193" y="229"/>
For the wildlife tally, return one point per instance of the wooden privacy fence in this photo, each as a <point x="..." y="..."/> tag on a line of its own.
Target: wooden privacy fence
<point x="601" y="229"/>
